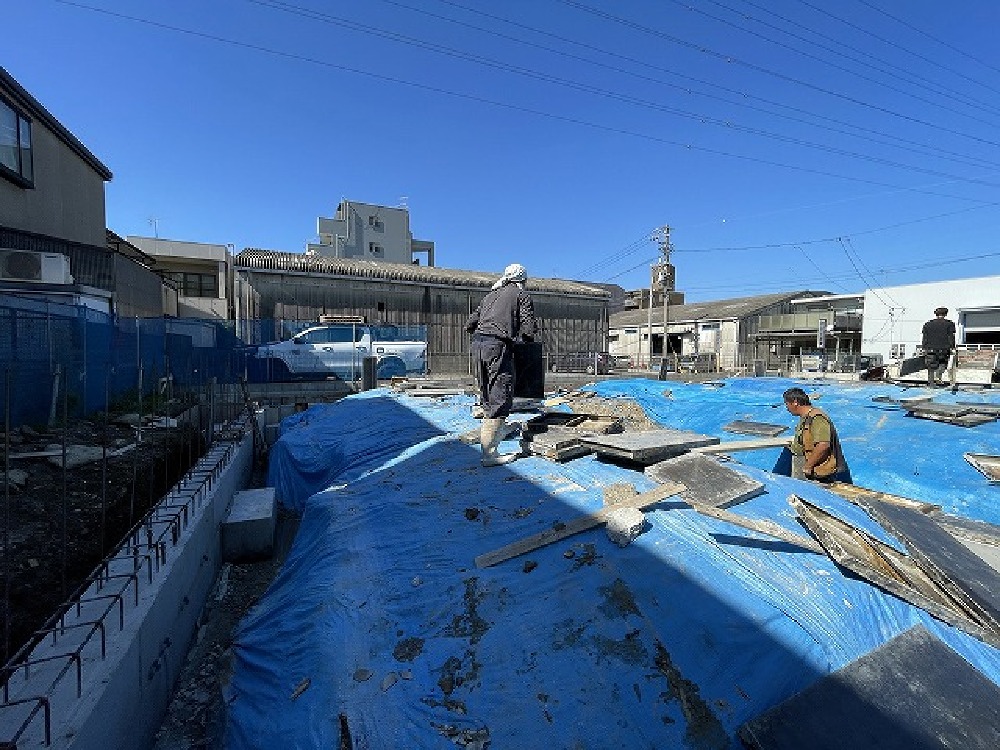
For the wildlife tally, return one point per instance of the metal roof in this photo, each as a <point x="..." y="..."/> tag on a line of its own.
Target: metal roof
<point x="34" y="108"/>
<point x="254" y="259"/>
<point x="726" y="309"/>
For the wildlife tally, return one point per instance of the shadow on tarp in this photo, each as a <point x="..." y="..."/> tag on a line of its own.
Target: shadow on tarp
<point x="380" y="622"/>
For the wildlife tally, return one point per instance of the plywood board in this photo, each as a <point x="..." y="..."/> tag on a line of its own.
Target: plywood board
<point x="987" y="465"/>
<point x="964" y="575"/>
<point x="944" y="410"/>
<point x="883" y="566"/>
<point x="556" y="444"/>
<point x="981" y="407"/>
<point x="962" y="420"/>
<point x="969" y="528"/>
<point x="648" y="446"/>
<point x="911" y="693"/>
<point x="592" y="423"/>
<point x="708" y="482"/>
<point x="582" y="523"/>
<point x="763" y="429"/>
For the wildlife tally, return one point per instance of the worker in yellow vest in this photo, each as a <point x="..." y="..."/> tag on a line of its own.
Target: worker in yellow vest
<point x="816" y="451"/>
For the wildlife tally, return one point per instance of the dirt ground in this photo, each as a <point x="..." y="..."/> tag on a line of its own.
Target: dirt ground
<point x="58" y="523"/>
<point x="195" y="716"/>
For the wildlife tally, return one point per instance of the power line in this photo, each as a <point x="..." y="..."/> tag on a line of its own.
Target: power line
<point x="890" y="43"/>
<point x="310" y="14"/>
<point x="840" y="52"/>
<point x="901" y="22"/>
<point x="484" y="100"/>
<point x="760" y="69"/>
<point x="893" y="141"/>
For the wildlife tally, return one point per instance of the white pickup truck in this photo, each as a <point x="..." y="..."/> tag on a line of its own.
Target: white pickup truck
<point x="338" y="349"/>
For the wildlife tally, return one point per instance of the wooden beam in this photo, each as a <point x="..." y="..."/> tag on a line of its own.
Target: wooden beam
<point x="761" y="526"/>
<point x="745" y="445"/>
<point x="582" y="523"/>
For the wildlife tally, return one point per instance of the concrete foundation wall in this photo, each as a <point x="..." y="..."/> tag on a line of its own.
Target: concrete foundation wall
<point x="124" y="695"/>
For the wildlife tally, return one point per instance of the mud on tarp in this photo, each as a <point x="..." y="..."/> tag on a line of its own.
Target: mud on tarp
<point x="673" y="641"/>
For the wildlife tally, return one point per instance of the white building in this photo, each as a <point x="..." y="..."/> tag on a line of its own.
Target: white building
<point x="365" y="231"/>
<point x="894" y="316"/>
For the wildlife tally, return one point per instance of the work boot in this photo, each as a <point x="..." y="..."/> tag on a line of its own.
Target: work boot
<point x="490" y="435"/>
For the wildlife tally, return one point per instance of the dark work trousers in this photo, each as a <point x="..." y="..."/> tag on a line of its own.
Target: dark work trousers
<point x="934" y="359"/>
<point x="494" y="363"/>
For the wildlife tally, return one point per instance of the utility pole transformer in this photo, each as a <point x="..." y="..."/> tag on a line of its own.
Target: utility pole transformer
<point x="662" y="278"/>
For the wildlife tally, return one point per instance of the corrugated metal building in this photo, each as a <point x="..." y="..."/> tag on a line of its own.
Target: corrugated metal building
<point x="289" y="286"/>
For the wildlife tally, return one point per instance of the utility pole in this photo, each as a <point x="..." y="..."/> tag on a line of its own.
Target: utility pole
<point x="662" y="278"/>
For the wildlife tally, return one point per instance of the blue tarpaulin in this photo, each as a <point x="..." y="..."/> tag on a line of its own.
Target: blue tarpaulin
<point x="380" y="624"/>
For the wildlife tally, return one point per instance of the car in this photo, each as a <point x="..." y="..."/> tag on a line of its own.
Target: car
<point x="592" y="363"/>
<point x="621" y="362"/>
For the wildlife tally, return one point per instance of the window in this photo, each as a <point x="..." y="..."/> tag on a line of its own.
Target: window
<point x="196" y="284"/>
<point x="897" y="351"/>
<point x="375" y="249"/>
<point x="15" y="146"/>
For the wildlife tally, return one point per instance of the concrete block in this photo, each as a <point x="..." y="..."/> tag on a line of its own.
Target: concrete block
<point x="624" y="525"/>
<point x="248" y="529"/>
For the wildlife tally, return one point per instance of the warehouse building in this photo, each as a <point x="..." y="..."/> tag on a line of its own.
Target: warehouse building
<point x="275" y="289"/>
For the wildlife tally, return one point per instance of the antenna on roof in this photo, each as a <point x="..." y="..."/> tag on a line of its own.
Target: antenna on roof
<point x="403" y="202"/>
<point x="155" y="224"/>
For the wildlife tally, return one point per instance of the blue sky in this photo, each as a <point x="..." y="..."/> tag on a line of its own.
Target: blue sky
<point x="787" y="143"/>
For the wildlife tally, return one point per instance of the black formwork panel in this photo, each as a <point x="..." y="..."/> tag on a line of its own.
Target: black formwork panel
<point x="911" y="693"/>
<point x="529" y="370"/>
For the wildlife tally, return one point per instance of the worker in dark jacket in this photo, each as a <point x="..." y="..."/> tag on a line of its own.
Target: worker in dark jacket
<point x="938" y="343"/>
<point x="504" y="316"/>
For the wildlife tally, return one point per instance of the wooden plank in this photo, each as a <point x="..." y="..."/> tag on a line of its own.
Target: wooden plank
<point x="911" y="693"/>
<point x="582" y="523"/>
<point x="857" y="495"/>
<point x="761" y="429"/>
<point x="745" y="445"/>
<point x="761" y="526"/>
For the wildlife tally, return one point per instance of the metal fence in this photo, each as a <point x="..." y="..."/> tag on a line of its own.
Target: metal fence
<point x="57" y="357"/>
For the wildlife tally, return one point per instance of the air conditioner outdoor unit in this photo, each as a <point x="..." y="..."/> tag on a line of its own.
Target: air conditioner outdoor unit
<point x="41" y="268"/>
